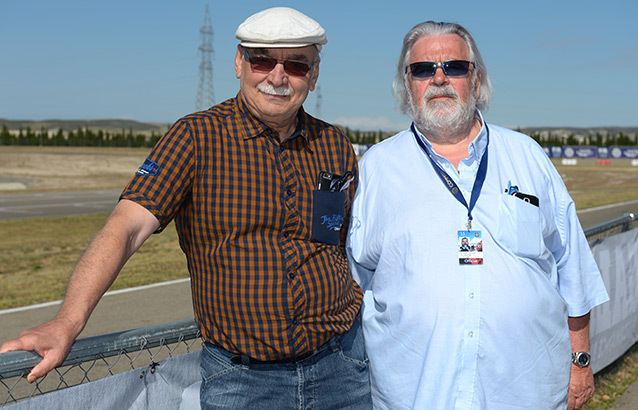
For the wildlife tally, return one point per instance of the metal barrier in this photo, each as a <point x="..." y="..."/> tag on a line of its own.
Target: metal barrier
<point x="621" y="224"/>
<point x="97" y="357"/>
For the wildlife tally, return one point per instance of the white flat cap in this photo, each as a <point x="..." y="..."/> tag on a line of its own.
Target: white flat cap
<point x="280" y="27"/>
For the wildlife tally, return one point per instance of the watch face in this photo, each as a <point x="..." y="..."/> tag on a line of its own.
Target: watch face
<point x="582" y="359"/>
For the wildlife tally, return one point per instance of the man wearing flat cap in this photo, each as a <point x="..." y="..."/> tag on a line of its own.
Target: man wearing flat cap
<point x="260" y="193"/>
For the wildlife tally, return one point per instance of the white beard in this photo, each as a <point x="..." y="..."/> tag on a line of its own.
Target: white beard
<point x="444" y="121"/>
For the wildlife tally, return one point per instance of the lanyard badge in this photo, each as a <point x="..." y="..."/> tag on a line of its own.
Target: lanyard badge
<point x="470" y="247"/>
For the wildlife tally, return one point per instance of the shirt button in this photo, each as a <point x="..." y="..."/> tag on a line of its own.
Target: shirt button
<point x="471" y="334"/>
<point x="289" y="192"/>
<point x="471" y="295"/>
<point x="291" y="275"/>
<point x="286" y="234"/>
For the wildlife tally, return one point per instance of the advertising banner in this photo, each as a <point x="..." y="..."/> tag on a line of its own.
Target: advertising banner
<point x="580" y="152"/>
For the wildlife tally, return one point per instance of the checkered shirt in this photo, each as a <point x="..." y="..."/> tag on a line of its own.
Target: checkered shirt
<point x="243" y="207"/>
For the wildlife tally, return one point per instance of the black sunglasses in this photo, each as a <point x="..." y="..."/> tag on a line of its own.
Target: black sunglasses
<point x="263" y="64"/>
<point x="451" y="68"/>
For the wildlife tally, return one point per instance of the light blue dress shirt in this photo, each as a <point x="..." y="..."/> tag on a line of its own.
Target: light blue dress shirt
<point x="441" y="335"/>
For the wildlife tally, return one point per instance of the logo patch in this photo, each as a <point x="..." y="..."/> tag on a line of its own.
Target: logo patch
<point x="332" y="222"/>
<point x="148" y="168"/>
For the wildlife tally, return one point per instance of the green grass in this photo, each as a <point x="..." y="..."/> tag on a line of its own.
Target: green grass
<point x="37" y="257"/>
<point x="612" y="382"/>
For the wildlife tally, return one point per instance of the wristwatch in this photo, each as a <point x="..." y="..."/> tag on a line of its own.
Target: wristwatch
<point x="581" y="359"/>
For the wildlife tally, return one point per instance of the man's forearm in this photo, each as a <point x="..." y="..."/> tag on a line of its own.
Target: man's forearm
<point x="581" y="381"/>
<point x="124" y="232"/>
<point x="579" y="333"/>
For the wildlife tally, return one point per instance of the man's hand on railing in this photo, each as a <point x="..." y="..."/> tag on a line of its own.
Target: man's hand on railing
<point x="126" y="229"/>
<point x="51" y="340"/>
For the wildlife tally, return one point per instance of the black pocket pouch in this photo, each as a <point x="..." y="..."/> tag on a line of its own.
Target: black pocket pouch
<point x="328" y="211"/>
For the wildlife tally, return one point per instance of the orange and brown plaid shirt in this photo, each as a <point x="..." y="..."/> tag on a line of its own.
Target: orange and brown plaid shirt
<point x="270" y="277"/>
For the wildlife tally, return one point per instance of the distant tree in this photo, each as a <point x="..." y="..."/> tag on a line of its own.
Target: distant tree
<point x="536" y="136"/>
<point x="58" y="138"/>
<point x="571" y="140"/>
<point x="5" y="136"/>
<point x="155" y="137"/>
<point x="349" y="134"/>
<point x="44" y="137"/>
<point x="622" y="139"/>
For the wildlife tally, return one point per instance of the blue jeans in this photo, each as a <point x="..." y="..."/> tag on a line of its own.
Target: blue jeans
<point x="335" y="377"/>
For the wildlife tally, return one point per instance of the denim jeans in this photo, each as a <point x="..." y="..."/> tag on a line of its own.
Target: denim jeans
<point x="335" y="377"/>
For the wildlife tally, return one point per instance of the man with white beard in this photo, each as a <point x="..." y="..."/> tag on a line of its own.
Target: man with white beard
<point x="504" y="324"/>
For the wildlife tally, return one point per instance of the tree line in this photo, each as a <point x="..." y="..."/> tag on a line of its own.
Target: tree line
<point x="544" y="139"/>
<point x="599" y="139"/>
<point x="84" y="137"/>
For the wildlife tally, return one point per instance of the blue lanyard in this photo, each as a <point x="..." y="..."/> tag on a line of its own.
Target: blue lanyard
<point x="451" y="185"/>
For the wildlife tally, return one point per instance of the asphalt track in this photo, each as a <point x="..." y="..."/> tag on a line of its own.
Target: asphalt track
<point x="57" y="204"/>
<point x="164" y="302"/>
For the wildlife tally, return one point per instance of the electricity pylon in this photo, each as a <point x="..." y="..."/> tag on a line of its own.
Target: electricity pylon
<point x="205" y="92"/>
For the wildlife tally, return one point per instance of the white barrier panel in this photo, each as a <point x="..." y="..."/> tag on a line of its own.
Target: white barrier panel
<point x="139" y="389"/>
<point x="614" y="325"/>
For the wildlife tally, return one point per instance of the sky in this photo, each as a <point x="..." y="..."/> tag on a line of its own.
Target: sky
<point x="552" y="63"/>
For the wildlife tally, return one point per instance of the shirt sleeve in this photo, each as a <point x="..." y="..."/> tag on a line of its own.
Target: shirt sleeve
<point x="165" y="180"/>
<point x="580" y="283"/>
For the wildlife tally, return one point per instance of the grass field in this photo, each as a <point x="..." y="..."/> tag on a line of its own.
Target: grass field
<point x="37" y="255"/>
<point x="594" y="185"/>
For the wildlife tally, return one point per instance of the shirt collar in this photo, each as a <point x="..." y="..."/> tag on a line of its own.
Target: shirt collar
<point x="475" y="149"/>
<point x="479" y="144"/>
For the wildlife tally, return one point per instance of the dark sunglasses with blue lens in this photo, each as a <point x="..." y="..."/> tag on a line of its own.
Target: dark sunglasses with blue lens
<point x="451" y="68"/>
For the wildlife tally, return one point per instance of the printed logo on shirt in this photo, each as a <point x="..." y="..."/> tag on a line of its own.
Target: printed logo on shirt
<point x="332" y="222"/>
<point x="148" y="168"/>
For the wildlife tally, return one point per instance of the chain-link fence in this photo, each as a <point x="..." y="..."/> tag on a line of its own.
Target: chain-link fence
<point x="97" y="357"/>
<point x="621" y="224"/>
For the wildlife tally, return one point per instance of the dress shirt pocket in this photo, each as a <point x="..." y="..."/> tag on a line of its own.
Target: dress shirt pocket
<point x="328" y="212"/>
<point x="519" y="226"/>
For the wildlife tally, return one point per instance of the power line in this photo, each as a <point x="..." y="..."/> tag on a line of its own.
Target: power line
<point x="318" y="102"/>
<point x="205" y="92"/>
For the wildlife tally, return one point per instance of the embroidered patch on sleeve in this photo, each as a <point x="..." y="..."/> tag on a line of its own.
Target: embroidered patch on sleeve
<point x="148" y="168"/>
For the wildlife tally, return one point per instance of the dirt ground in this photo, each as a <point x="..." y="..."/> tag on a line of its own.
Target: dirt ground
<point x="67" y="168"/>
<point x="72" y="168"/>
